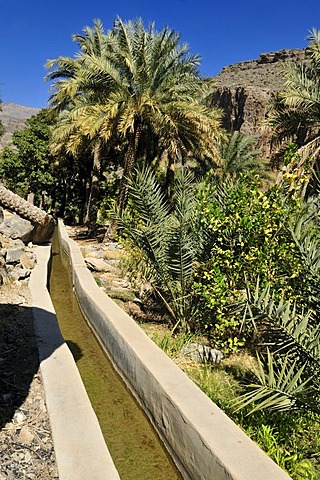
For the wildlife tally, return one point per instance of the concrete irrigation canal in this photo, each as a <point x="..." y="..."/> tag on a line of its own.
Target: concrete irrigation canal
<point x="98" y="430"/>
<point x="133" y="443"/>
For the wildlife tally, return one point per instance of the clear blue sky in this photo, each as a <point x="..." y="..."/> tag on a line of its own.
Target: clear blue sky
<point x="222" y="32"/>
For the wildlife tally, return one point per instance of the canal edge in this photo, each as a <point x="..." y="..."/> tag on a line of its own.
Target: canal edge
<point x="81" y="451"/>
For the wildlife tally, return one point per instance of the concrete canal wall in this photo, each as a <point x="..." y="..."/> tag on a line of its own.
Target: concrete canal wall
<point x="203" y="441"/>
<point x="81" y="452"/>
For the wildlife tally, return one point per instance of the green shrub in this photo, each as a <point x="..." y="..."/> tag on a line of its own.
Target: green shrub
<point x="250" y="237"/>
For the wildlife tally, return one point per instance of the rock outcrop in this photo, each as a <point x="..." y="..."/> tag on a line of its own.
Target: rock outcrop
<point x="245" y="89"/>
<point x="16" y="260"/>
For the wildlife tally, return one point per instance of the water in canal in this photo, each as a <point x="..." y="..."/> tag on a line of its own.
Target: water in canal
<point x="136" y="449"/>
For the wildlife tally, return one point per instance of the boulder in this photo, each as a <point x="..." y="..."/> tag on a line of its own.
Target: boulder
<point x="92" y="252"/>
<point x="6" y="242"/>
<point x="98" y="265"/>
<point x="122" y="282"/>
<point x="4" y="277"/>
<point x="13" y="255"/>
<point x="20" y="273"/>
<point x="27" y="260"/>
<point x="25" y="436"/>
<point x="201" y="353"/>
<point x="16" y="227"/>
<point x="112" y="246"/>
<point x="16" y="260"/>
<point x="42" y="233"/>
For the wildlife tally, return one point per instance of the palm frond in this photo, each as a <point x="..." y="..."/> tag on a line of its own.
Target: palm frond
<point x="281" y="385"/>
<point x="237" y="155"/>
<point x="289" y="331"/>
<point x="295" y="112"/>
<point x="168" y="238"/>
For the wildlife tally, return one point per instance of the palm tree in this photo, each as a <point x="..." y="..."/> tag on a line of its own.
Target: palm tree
<point x="295" y="112"/>
<point x="170" y="239"/>
<point x="72" y="77"/>
<point x="288" y="371"/>
<point x="238" y="155"/>
<point x="133" y="82"/>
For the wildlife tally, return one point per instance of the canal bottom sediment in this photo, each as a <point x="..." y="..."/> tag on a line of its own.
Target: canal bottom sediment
<point x="134" y="445"/>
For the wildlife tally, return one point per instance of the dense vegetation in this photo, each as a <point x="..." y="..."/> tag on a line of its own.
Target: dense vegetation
<point x="232" y="256"/>
<point x="131" y="90"/>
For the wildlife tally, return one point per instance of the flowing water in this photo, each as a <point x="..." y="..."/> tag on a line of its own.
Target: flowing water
<point x="135" y="447"/>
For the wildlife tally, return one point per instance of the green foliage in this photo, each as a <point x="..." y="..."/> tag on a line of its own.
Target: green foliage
<point x="294" y="112"/>
<point x="135" y="89"/>
<point x="238" y="155"/>
<point x="29" y="167"/>
<point x="290" y="154"/>
<point x="245" y="232"/>
<point x="170" y="239"/>
<point x="250" y="236"/>
<point x="290" y="438"/>
<point x="281" y="386"/>
<point x="26" y="168"/>
<point x="218" y="384"/>
<point x="172" y="344"/>
<point x="288" y="378"/>
<point x="295" y="463"/>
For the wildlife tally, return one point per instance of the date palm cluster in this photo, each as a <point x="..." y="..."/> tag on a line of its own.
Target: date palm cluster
<point x="133" y="89"/>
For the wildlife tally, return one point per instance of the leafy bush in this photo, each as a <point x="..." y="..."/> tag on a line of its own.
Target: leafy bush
<point x="250" y="236"/>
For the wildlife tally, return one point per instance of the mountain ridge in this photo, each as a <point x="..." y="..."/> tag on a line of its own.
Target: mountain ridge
<point x="13" y="117"/>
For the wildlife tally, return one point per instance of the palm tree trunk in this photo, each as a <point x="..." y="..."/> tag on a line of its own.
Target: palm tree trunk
<point x="22" y="207"/>
<point x="92" y="205"/>
<point x="129" y="162"/>
<point x="170" y="173"/>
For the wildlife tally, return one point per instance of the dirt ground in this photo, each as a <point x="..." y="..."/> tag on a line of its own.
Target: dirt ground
<point x="26" y="448"/>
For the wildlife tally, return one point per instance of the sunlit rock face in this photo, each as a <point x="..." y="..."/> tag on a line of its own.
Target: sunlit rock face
<point x="244" y="90"/>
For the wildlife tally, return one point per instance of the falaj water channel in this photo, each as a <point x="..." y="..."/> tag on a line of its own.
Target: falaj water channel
<point x="133" y="443"/>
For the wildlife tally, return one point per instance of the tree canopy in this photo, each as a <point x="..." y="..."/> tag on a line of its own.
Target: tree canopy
<point x="25" y="168"/>
<point x="128" y="85"/>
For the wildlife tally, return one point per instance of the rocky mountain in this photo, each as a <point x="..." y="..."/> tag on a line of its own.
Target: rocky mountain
<point x="244" y="90"/>
<point x="13" y="117"/>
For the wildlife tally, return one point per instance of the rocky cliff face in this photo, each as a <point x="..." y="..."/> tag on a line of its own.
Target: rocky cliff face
<point x="244" y="90"/>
